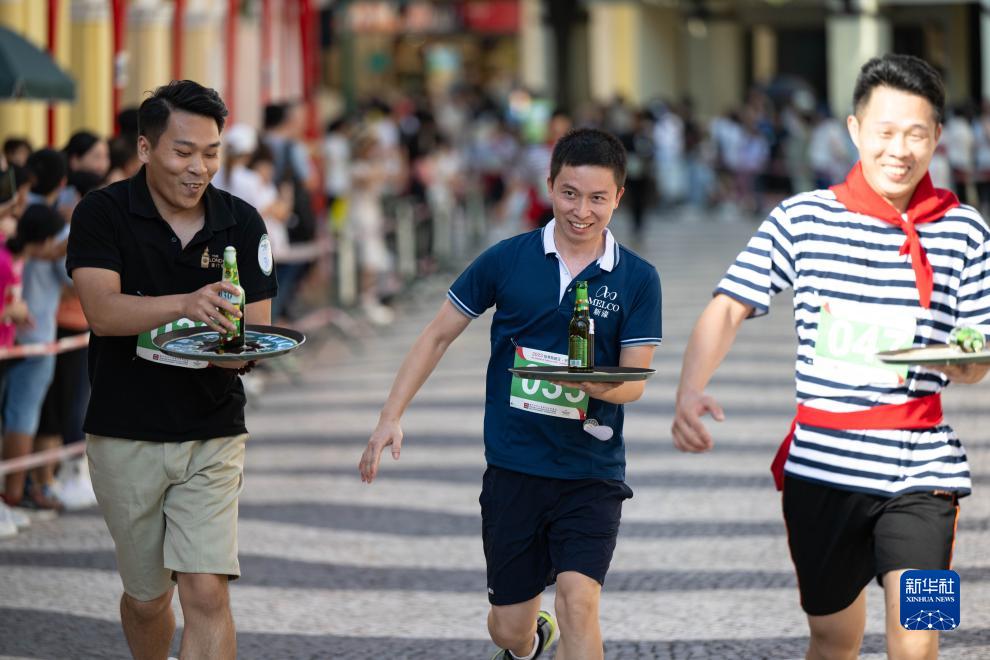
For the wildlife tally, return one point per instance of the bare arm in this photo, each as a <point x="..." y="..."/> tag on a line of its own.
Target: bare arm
<point x="965" y="374"/>
<point x="619" y="393"/>
<point x="710" y="342"/>
<point x="258" y="313"/>
<point x="419" y="363"/>
<point x="114" y="314"/>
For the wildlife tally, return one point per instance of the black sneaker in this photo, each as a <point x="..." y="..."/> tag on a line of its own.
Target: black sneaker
<point x="546" y="630"/>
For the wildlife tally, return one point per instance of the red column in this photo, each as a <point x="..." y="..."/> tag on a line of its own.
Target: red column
<point x="178" y="35"/>
<point x="119" y="36"/>
<point x="307" y="39"/>
<point x="233" y="7"/>
<point x="267" y="69"/>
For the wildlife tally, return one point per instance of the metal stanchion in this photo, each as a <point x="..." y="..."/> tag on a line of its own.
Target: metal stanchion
<point x="405" y="239"/>
<point x="475" y="209"/>
<point x="347" y="267"/>
<point x="442" y="238"/>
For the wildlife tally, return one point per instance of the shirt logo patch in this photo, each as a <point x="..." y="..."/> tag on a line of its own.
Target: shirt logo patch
<point x="208" y="260"/>
<point x="604" y="303"/>
<point x="265" y="261"/>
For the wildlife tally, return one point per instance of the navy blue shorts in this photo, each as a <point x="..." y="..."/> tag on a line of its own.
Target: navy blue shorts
<point x="536" y="527"/>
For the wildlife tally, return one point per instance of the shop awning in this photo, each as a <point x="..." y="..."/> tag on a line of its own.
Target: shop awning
<point x="27" y="72"/>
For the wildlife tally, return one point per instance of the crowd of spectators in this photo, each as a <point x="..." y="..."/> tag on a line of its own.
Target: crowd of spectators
<point x="331" y="204"/>
<point x="43" y="396"/>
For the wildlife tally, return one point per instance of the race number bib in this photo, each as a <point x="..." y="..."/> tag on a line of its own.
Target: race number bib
<point x="850" y="336"/>
<point x="541" y="397"/>
<point x="146" y="347"/>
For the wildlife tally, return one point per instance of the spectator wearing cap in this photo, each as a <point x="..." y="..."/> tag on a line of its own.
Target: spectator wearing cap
<point x="240" y="178"/>
<point x="239" y="143"/>
<point x="276" y="211"/>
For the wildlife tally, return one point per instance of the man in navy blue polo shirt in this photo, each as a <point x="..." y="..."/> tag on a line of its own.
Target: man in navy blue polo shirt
<point x="553" y="491"/>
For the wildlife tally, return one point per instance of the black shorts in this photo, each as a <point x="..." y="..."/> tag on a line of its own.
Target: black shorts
<point x="840" y="539"/>
<point x="536" y="527"/>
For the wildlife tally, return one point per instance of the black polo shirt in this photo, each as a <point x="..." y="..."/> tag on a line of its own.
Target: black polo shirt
<point x="137" y="392"/>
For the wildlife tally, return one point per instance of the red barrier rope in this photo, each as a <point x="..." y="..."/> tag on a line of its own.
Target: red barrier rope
<point x="40" y="458"/>
<point x="63" y="345"/>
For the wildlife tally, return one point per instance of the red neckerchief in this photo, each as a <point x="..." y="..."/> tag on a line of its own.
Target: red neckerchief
<point x="927" y="204"/>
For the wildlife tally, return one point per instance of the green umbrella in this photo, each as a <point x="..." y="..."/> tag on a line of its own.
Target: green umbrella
<point x="27" y="72"/>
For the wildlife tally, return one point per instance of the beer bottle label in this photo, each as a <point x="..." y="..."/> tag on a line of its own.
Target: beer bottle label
<point x="235" y="300"/>
<point x="577" y="351"/>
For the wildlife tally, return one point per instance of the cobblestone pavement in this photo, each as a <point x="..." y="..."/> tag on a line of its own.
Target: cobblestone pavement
<point x="334" y="568"/>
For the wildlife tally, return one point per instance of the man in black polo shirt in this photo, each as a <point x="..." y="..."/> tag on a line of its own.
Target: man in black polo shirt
<point x="165" y="437"/>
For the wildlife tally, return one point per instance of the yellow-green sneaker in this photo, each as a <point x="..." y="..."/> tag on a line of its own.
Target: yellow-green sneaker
<point x="546" y="631"/>
<point x="546" y="628"/>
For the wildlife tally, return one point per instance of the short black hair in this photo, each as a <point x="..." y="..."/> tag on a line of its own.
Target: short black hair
<point x="275" y="114"/>
<point x="338" y="124"/>
<point x="37" y="224"/>
<point x="80" y="143"/>
<point x="123" y="149"/>
<point x="589" y="146"/>
<point x="127" y="121"/>
<point x="906" y="73"/>
<point x="12" y="144"/>
<point x="48" y="169"/>
<point x="185" y="95"/>
<point x="262" y="154"/>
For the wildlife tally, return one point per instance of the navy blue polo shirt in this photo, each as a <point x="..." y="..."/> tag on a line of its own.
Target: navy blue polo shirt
<point x="532" y="426"/>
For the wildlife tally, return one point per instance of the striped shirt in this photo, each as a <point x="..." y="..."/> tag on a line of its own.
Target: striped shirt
<point x="855" y="294"/>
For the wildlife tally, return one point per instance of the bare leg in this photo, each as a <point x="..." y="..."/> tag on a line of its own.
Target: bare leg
<point x="16" y="445"/>
<point x="838" y="636"/>
<point x="45" y="475"/>
<point x="148" y="625"/>
<point x="513" y="627"/>
<point x="209" y="625"/>
<point x="903" y="644"/>
<point x="577" y="615"/>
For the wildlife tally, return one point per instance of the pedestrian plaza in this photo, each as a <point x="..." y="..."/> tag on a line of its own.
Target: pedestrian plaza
<point x="333" y="568"/>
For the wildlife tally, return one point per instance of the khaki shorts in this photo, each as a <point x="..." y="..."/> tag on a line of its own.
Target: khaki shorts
<point x="171" y="507"/>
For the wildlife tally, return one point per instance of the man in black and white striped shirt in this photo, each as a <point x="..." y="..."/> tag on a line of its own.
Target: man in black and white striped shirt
<point x="871" y="474"/>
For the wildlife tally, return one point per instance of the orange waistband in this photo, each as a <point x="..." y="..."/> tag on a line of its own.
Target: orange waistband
<point x="921" y="413"/>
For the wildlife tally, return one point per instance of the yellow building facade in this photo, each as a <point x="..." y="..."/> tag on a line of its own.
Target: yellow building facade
<point x="712" y="51"/>
<point x="709" y="51"/>
<point x="84" y="47"/>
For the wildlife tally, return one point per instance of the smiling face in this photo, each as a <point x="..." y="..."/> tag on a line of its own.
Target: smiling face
<point x="182" y="162"/>
<point x="896" y="133"/>
<point x="583" y="199"/>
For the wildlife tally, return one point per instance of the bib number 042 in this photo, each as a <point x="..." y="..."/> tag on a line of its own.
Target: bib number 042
<point x="849" y="339"/>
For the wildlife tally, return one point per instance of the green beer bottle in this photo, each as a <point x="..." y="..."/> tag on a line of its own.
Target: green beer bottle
<point x="233" y="341"/>
<point x="581" y="334"/>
